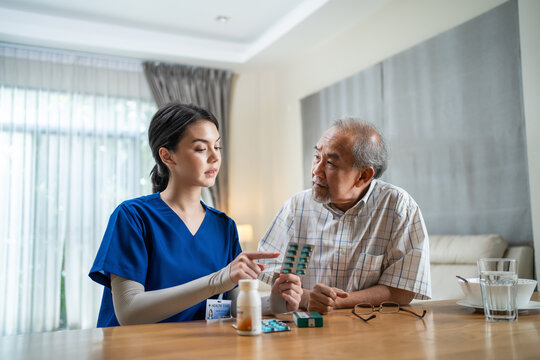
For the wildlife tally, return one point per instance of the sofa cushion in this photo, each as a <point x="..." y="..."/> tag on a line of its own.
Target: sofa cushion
<point x="465" y="249"/>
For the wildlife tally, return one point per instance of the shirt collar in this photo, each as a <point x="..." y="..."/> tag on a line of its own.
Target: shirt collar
<point x="356" y="207"/>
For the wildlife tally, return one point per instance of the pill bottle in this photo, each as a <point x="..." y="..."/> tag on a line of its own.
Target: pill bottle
<point x="248" y="308"/>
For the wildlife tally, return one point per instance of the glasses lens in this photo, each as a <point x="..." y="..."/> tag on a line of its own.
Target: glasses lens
<point x="363" y="309"/>
<point x="389" y="307"/>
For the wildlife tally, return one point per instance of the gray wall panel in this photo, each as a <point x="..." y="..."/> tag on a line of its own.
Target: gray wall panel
<point x="359" y="95"/>
<point x="451" y="110"/>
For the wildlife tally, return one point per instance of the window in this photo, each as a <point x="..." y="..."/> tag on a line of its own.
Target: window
<point x="73" y="145"/>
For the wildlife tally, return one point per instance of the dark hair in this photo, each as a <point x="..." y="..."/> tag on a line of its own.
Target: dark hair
<point x="166" y="129"/>
<point x="369" y="146"/>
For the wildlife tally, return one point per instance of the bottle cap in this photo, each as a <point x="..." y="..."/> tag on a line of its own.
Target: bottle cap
<point x="248" y="284"/>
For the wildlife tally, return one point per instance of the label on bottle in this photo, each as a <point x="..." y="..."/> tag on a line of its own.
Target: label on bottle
<point x="248" y="320"/>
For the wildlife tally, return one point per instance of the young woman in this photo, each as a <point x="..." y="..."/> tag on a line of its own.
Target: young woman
<point x="163" y="254"/>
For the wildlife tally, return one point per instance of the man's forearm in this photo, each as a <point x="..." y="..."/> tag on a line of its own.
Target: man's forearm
<point x="375" y="295"/>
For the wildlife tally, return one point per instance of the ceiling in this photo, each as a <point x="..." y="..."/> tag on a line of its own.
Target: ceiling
<point x="179" y="30"/>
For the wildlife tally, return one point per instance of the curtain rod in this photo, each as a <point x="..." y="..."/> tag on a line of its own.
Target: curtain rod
<point x="71" y="52"/>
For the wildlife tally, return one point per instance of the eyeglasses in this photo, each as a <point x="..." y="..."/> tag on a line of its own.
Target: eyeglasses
<point x="386" y="307"/>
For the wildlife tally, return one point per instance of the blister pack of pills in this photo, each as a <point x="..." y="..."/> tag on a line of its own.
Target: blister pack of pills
<point x="296" y="259"/>
<point x="273" y="325"/>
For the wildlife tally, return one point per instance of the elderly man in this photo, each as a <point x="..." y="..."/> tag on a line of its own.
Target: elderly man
<point x="371" y="243"/>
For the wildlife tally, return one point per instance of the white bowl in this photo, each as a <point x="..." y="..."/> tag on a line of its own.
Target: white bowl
<point x="473" y="294"/>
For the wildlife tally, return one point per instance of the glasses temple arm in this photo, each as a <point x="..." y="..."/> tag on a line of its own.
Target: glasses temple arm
<point x="412" y="312"/>
<point x="365" y="320"/>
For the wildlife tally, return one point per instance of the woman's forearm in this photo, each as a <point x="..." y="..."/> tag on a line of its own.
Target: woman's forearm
<point x="133" y="305"/>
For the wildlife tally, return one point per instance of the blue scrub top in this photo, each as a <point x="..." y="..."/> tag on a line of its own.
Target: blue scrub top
<point x="147" y="242"/>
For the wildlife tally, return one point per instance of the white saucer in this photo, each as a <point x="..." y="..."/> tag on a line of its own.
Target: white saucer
<point x="531" y="305"/>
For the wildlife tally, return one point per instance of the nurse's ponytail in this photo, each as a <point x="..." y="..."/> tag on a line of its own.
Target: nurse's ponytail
<point x="159" y="179"/>
<point x="166" y="129"/>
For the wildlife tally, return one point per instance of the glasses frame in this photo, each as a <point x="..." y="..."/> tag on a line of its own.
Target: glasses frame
<point x="381" y="306"/>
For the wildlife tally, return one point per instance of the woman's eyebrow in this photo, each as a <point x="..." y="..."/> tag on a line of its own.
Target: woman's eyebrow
<point x="204" y="140"/>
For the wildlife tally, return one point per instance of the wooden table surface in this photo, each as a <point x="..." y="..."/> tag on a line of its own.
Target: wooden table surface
<point x="448" y="331"/>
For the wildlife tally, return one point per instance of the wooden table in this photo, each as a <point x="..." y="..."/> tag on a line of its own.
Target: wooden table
<point x="447" y="331"/>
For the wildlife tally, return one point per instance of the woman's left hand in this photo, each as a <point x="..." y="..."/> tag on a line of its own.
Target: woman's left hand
<point x="290" y="288"/>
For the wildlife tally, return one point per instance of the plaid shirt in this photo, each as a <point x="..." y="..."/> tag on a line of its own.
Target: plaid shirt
<point x="382" y="239"/>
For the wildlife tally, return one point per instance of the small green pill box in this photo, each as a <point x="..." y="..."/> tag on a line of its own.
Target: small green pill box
<point x="308" y="319"/>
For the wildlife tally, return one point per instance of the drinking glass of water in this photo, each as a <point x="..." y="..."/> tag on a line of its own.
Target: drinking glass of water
<point x="498" y="283"/>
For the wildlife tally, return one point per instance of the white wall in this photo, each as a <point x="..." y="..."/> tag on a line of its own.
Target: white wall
<point x="266" y="166"/>
<point x="253" y="101"/>
<point x="529" y="28"/>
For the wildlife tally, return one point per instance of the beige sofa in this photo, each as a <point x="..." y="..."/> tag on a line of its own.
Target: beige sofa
<point x="452" y="255"/>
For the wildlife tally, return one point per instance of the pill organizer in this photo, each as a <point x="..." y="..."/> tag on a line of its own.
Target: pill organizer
<point x="296" y="258"/>
<point x="273" y="325"/>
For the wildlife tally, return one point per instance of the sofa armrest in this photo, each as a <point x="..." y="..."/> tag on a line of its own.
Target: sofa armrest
<point x="524" y="257"/>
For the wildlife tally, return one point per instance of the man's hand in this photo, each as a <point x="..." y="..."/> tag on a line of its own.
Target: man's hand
<point x="245" y="267"/>
<point x="323" y="298"/>
<point x="290" y="288"/>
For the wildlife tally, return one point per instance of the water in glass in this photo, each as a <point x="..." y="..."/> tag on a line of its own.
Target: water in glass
<point x="499" y="295"/>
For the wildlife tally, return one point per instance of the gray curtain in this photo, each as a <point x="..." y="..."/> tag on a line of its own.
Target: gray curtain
<point x="451" y="110"/>
<point x="208" y="88"/>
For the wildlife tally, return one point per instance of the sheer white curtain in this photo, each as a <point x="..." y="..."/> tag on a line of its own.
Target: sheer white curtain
<point x="73" y="145"/>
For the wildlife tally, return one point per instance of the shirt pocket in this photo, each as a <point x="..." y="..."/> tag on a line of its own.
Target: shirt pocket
<point x="366" y="273"/>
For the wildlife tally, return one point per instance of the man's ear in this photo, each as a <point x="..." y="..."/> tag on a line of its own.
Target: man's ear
<point x="166" y="156"/>
<point x="366" y="175"/>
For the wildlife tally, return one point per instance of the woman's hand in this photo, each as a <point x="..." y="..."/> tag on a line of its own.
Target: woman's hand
<point x="290" y="288"/>
<point x="245" y="267"/>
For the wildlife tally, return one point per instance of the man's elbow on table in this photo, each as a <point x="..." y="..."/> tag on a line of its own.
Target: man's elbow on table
<point x="375" y="295"/>
<point x="402" y="297"/>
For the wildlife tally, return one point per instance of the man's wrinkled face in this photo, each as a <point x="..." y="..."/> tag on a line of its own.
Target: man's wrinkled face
<point x="332" y="172"/>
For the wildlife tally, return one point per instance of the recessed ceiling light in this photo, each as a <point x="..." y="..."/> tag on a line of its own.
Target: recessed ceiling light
<point x="222" y="19"/>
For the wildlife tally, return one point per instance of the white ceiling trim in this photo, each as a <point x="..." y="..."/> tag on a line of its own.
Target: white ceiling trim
<point x="21" y="25"/>
<point x="39" y="29"/>
<point x="287" y="23"/>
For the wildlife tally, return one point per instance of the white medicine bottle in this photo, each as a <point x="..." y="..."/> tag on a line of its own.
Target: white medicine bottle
<point x="248" y="308"/>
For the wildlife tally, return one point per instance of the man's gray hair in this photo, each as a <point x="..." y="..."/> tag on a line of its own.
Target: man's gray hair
<point x="369" y="147"/>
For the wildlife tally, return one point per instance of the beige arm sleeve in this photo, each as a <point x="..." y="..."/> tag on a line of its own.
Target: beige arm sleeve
<point x="133" y="305"/>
